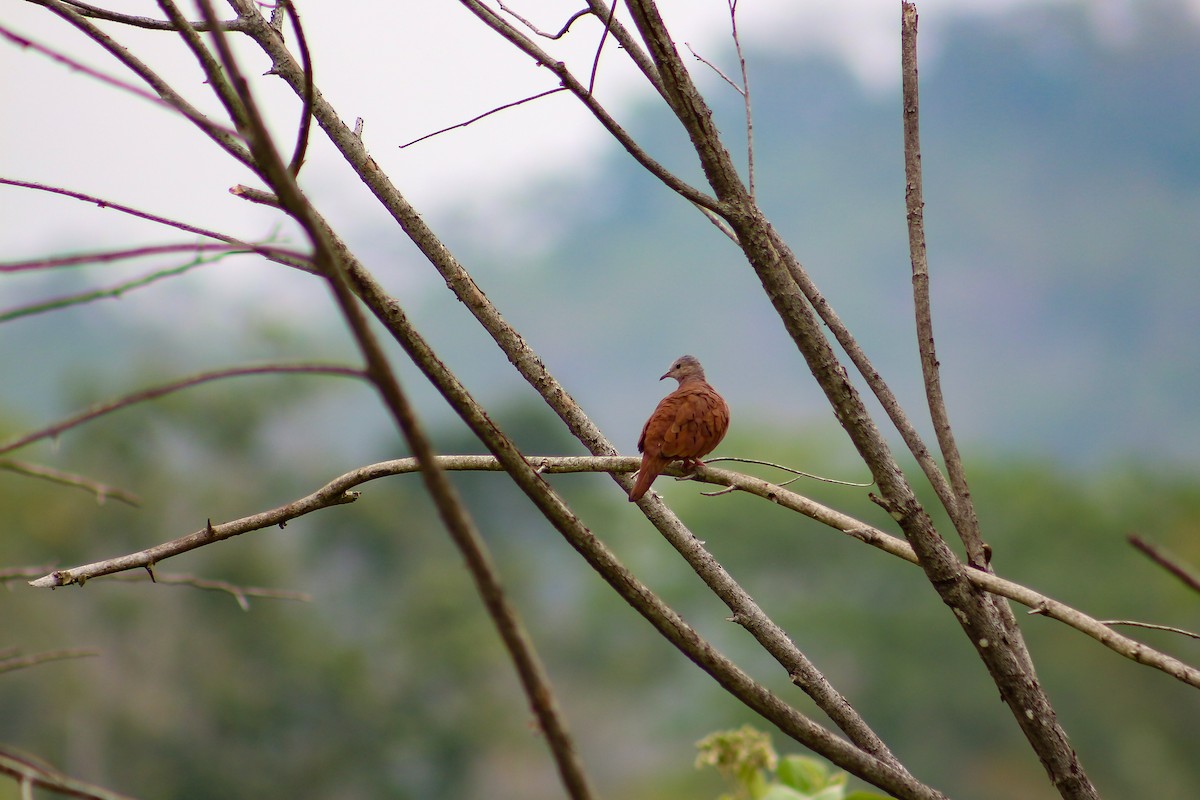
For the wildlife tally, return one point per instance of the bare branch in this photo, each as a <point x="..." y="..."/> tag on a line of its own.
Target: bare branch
<point x="158" y="391"/>
<point x="962" y="511"/>
<point x="1165" y="561"/>
<point x="331" y="494"/>
<point x="102" y="491"/>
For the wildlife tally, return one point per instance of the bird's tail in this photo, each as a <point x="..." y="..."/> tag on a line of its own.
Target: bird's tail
<point x="646" y="476"/>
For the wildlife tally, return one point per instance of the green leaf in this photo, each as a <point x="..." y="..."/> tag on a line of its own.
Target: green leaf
<point x="832" y="792"/>
<point x="802" y="773"/>
<point x="781" y="792"/>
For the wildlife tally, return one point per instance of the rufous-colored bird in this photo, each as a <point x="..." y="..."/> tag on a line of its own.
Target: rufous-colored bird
<point x="688" y="424"/>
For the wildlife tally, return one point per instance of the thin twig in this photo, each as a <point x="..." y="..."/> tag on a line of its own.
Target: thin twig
<point x="745" y="92"/>
<point x="713" y="67"/>
<point x="79" y="66"/>
<point x="306" y="116"/>
<point x="9" y="574"/>
<point x="102" y="491"/>
<point x="220" y="134"/>
<point x="572" y="84"/>
<point x="795" y="472"/>
<point x="277" y="254"/>
<point x="104" y="256"/>
<point x="612" y="12"/>
<point x="1165" y="561"/>
<point x="110" y="292"/>
<point x="24" y="662"/>
<point x="142" y="396"/>
<point x="241" y="594"/>
<point x="1150" y="626"/>
<point x="563" y="32"/>
<point x="30" y="772"/>
<point x="484" y="115"/>
<point x="148" y="23"/>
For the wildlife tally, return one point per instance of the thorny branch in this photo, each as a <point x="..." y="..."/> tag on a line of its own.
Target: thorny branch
<point x="341" y="487"/>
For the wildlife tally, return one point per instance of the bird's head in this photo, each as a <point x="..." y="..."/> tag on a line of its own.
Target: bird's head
<point x="685" y="368"/>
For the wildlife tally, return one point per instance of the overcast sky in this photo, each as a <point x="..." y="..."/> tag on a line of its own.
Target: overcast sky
<point x="408" y="68"/>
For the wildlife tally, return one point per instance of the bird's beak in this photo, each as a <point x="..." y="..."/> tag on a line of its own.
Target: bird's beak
<point x="666" y="375"/>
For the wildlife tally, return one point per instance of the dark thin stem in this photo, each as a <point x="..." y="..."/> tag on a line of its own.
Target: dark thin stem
<point x="102" y="256"/>
<point x="1168" y="563"/>
<point x="562" y="31"/>
<point x="302" y="135"/>
<point x="152" y="393"/>
<point x="217" y="133"/>
<point x="612" y="12"/>
<point x="484" y="115"/>
<point x="110" y="292"/>
<point x="277" y="254"/>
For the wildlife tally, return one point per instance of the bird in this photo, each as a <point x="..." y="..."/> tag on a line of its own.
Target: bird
<point x="687" y="424"/>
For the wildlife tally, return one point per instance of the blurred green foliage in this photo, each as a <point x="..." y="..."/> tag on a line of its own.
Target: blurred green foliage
<point x="747" y="759"/>
<point x="392" y="683"/>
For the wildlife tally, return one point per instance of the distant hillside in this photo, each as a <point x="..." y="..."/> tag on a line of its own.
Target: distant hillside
<point x="1063" y="212"/>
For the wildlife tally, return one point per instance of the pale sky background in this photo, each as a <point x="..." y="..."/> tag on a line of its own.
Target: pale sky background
<point x="408" y="68"/>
